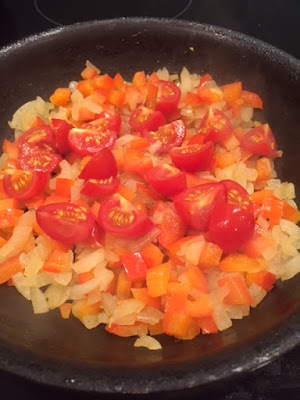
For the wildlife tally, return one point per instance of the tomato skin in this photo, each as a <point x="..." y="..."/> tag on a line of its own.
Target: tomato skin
<point x="92" y="137"/>
<point x="144" y="118"/>
<point x="36" y="160"/>
<point x="61" y="227"/>
<point x="195" y="205"/>
<point x="193" y="158"/>
<point x="260" y="141"/>
<point x="237" y="195"/>
<point x="61" y="130"/>
<point x="166" y="180"/>
<point x="41" y="135"/>
<point x="215" y="126"/>
<point x="98" y="188"/>
<point x="168" y="97"/>
<point x="102" y="166"/>
<point x="135" y="223"/>
<point x="169" y="135"/>
<point x="36" y="184"/>
<point x="230" y="226"/>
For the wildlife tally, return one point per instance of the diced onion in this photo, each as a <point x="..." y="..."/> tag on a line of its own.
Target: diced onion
<point x="149" y="342"/>
<point x="257" y="293"/>
<point x="39" y="301"/>
<point x="89" y="262"/>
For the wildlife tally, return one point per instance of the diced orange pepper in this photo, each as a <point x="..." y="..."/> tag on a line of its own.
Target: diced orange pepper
<point x="198" y="308"/>
<point x="2" y="241"/>
<point x="152" y="255"/>
<point x="204" y="80"/>
<point x="138" y="329"/>
<point x="207" y="325"/>
<point x="65" y="310"/>
<point x="139" y="144"/>
<point x="60" y="97"/>
<point x="125" y="192"/>
<point x="260" y="196"/>
<point x="263" y="279"/>
<point x="103" y="82"/>
<point x="210" y="255"/>
<point x="255" y="247"/>
<point x="224" y="160"/>
<point x="3" y="195"/>
<point x="57" y="262"/>
<point x="123" y="285"/>
<point x="35" y="202"/>
<point x="9" y="268"/>
<point x="9" y="218"/>
<point x="85" y="114"/>
<point x="179" y="288"/>
<point x="210" y="95"/>
<point x="56" y="199"/>
<point x="272" y="210"/>
<point x="143" y="295"/>
<point x="116" y="98"/>
<point x="81" y="309"/>
<point x="151" y="95"/>
<point x="238" y="291"/>
<point x="85" y="276"/>
<point x="8" y="204"/>
<point x="86" y="88"/>
<point x="30" y="244"/>
<point x="99" y="96"/>
<point x="139" y="79"/>
<point x="156" y="329"/>
<point x="153" y="79"/>
<point x="263" y="168"/>
<point x="176" y="322"/>
<point x="192" y="99"/>
<point x="63" y="187"/>
<point x="252" y="99"/>
<point x="157" y="280"/>
<point x="88" y="73"/>
<point x="11" y="149"/>
<point x="119" y="157"/>
<point x="118" y="81"/>
<point x="232" y="92"/>
<point x="195" y="277"/>
<point x="290" y="213"/>
<point x="236" y="262"/>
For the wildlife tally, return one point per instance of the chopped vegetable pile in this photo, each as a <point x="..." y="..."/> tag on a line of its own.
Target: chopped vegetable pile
<point x="149" y="206"/>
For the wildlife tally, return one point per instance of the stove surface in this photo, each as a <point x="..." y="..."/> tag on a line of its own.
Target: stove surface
<point x="275" y="22"/>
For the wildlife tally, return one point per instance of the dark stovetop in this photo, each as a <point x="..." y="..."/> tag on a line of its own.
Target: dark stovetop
<point x="275" y="22"/>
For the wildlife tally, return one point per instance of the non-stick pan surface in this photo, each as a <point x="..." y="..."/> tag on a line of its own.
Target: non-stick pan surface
<point x="46" y="348"/>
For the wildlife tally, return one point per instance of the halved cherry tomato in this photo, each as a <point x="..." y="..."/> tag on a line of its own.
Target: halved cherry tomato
<point x="37" y="160"/>
<point x="120" y="218"/>
<point x="100" y="187"/>
<point x="61" y="130"/>
<point x="215" y="126"/>
<point x="144" y="118"/>
<point x="168" y="96"/>
<point x="193" y="158"/>
<point x="102" y="166"/>
<point x="195" y="205"/>
<point x="168" y="136"/>
<point x="41" y="136"/>
<point x="237" y="195"/>
<point x="94" y="136"/>
<point x="65" y="222"/>
<point x="231" y="226"/>
<point x="23" y="185"/>
<point x="260" y="141"/>
<point x="166" y="179"/>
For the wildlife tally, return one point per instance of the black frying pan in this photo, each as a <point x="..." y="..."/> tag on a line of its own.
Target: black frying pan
<point x="46" y="348"/>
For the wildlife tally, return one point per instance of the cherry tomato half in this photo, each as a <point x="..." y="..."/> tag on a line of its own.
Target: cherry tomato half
<point x="94" y="136"/>
<point x="168" y="97"/>
<point x="194" y="205"/>
<point x="23" y="185"/>
<point x="193" y="158"/>
<point x="168" y="136"/>
<point x="41" y="136"/>
<point x="237" y="195"/>
<point x="144" y="118"/>
<point x="102" y="166"/>
<point x="65" y="222"/>
<point x="261" y="141"/>
<point x="35" y="159"/>
<point x="100" y="187"/>
<point x="230" y="226"/>
<point x="61" y="130"/>
<point x="120" y="218"/>
<point x="166" y="179"/>
<point x="215" y="126"/>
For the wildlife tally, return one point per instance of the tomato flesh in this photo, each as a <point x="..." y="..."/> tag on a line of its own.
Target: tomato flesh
<point x="42" y="136"/>
<point x="193" y="158"/>
<point x="166" y="179"/>
<point x="237" y="195"/>
<point x="23" y="185"/>
<point x="168" y="136"/>
<point x="195" y="205"/>
<point x="100" y="187"/>
<point x="61" y="130"/>
<point x="144" y="118"/>
<point x="65" y="222"/>
<point x="92" y="137"/>
<point x="260" y="141"/>
<point x="102" y="166"/>
<point x="231" y="226"/>
<point x="168" y="97"/>
<point x="120" y="218"/>
<point x="38" y="160"/>
<point x="215" y="126"/>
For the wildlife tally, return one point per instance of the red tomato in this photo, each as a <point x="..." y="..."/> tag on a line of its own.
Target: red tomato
<point x="23" y="185"/>
<point x="94" y="136"/>
<point x="166" y="179"/>
<point x="120" y="218"/>
<point x="215" y="126"/>
<point x="195" y="205"/>
<point x="65" y="222"/>
<point x="261" y="141"/>
<point x="35" y="159"/>
<point x="237" y="195"/>
<point x="41" y="136"/>
<point x="193" y="158"/>
<point x="61" y="130"/>
<point x="231" y="226"/>
<point x="168" y="97"/>
<point x="100" y="187"/>
<point x="168" y="136"/>
<point x="102" y="166"/>
<point x="144" y="118"/>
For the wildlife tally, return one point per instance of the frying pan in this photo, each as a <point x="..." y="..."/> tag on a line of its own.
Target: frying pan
<point x="47" y="349"/>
